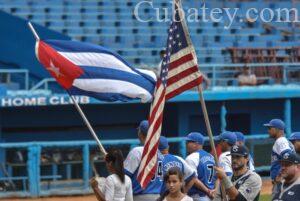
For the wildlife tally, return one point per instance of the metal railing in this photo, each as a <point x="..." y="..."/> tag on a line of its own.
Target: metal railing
<point x="220" y="73"/>
<point x="35" y="184"/>
<point x="10" y="72"/>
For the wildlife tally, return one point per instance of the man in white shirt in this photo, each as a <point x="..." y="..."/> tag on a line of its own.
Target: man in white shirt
<point x="280" y="147"/>
<point x="246" y="78"/>
<point x="226" y="140"/>
<point x="131" y="166"/>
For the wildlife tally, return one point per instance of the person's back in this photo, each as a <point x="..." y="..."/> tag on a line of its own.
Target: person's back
<point x="115" y="190"/>
<point x="131" y="166"/>
<point x="172" y="161"/>
<point x="205" y="171"/>
<point x="281" y="146"/>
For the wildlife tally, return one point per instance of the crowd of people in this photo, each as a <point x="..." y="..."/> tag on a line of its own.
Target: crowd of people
<point x="198" y="177"/>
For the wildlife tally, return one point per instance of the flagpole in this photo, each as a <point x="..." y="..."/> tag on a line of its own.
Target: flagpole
<point x="210" y="135"/>
<point x="87" y="123"/>
<point x="75" y="103"/>
<point x="33" y="31"/>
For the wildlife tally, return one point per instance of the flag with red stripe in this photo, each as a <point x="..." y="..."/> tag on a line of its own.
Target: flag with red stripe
<point x="179" y="72"/>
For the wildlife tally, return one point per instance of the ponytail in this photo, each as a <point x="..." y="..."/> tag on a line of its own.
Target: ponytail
<point x="117" y="160"/>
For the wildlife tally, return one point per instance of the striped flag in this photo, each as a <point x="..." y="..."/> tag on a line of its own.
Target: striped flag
<point x="179" y="72"/>
<point x="92" y="70"/>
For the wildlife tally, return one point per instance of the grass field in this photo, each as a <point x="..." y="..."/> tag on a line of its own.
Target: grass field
<point x="265" y="198"/>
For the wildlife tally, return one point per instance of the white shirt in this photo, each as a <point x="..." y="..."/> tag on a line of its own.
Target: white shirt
<point x="225" y="162"/>
<point x="185" y="198"/>
<point x="115" y="190"/>
<point x="133" y="159"/>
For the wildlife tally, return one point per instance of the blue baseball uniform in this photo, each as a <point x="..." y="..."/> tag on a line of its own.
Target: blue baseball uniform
<point x="172" y="161"/>
<point x="203" y="163"/>
<point x="280" y="147"/>
<point x="131" y="166"/>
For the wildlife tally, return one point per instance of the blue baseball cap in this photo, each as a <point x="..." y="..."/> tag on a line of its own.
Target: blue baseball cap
<point x="295" y="136"/>
<point x="239" y="136"/>
<point x="163" y="143"/>
<point x="228" y="137"/>
<point x="195" y="137"/>
<point x="143" y="127"/>
<point x="276" y="123"/>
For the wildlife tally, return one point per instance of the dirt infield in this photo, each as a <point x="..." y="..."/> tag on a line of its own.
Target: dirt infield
<point x="266" y="189"/>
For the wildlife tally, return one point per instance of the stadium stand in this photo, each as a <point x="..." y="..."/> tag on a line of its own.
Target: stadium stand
<point x="113" y="24"/>
<point x="58" y="163"/>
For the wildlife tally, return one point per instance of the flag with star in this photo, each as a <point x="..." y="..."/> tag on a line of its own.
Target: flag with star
<point x="179" y="72"/>
<point x="92" y="70"/>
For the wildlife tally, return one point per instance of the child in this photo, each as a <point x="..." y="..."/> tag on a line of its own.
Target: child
<point x="117" y="186"/>
<point x="174" y="182"/>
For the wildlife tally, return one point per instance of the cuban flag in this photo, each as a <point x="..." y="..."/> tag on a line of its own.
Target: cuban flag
<point x="92" y="70"/>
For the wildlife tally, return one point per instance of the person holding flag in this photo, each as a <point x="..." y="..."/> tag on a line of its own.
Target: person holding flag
<point x="132" y="163"/>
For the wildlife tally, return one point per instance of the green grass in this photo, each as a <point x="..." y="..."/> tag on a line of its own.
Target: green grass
<point x="265" y="198"/>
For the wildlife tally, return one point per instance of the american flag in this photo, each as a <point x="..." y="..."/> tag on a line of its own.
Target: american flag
<point x="179" y="72"/>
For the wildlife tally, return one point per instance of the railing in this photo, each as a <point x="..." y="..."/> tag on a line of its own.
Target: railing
<point x="9" y="72"/>
<point x="34" y="183"/>
<point x="221" y="74"/>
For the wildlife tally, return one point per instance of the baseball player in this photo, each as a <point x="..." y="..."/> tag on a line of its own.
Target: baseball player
<point x="226" y="140"/>
<point x="202" y="162"/>
<point x="295" y="139"/>
<point x="240" y="140"/>
<point x="244" y="184"/>
<point x="172" y="161"/>
<point x="280" y="147"/>
<point x="131" y="166"/>
<point x="289" y="189"/>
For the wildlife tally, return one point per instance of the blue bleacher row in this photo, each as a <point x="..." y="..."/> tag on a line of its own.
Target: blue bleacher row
<point x="108" y="23"/>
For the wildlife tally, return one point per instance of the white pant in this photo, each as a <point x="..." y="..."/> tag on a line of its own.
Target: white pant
<point x="146" y="197"/>
<point x="196" y="197"/>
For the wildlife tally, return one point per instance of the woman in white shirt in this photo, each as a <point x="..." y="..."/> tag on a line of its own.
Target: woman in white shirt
<point x="117" y="186"/>
<point x="174" y="182"/>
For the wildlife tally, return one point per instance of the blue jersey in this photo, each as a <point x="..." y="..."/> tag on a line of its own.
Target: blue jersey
<point x="172" y="161"/>
<point x="131" y="166"/>
<point x="204" y="163"/>
<point x="280" y="147"/>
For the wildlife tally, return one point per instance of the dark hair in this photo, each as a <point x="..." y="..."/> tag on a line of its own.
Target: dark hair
<point x="115" y="156"/>
<point x="171" y="171"/>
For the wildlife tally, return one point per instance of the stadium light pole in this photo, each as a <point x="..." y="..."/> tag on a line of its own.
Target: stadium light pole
<point x="86" y="121"/>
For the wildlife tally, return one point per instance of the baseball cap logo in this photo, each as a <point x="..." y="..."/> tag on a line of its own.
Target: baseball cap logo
<point x="235" y="148"/>
<point x="286" y="155"/>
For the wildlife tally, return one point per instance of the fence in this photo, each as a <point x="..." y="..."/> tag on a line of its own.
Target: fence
<point x="60" y="179"/>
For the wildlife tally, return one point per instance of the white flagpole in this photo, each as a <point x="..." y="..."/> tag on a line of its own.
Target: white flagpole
<point x="76" y="104"/>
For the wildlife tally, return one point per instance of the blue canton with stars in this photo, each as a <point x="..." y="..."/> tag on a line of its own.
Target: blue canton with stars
<point x="176" y="42"/>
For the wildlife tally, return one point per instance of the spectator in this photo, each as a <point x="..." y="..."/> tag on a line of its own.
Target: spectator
<point x="289" y="189"/>
<point x="174" y="181"/>
<point x="244" y="183"/>
<point x="246" y="78"/>
<point x="118" y="185"/>
<point x="295" y="139"/>
<point x="162" y="54"/>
